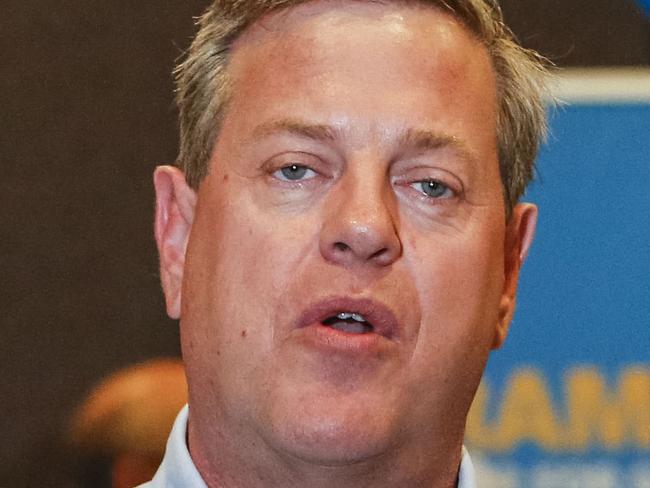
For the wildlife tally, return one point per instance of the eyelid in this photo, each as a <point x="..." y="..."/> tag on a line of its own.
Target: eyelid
<point x="443" y="177"/>
<point x="287" y="158"/>
<point x="316" y="166"/>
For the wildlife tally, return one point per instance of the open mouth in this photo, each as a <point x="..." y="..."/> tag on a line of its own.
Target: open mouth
<point x="360" y="317"/>
<point x="350" y="322"/>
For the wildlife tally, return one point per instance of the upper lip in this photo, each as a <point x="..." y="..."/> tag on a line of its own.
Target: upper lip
<point x="379" y="316"/>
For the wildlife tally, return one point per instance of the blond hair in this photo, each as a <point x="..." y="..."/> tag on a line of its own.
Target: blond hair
<point x="203" y="86"/>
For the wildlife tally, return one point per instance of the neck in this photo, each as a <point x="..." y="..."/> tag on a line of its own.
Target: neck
<point x="253" y="463"/>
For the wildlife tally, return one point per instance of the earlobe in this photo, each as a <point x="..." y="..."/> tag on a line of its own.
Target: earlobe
<point x="175" y="202"/>
<point x="520" y="232"/>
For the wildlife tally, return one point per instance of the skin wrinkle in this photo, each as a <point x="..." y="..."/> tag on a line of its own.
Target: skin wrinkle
<point x="421" y="142"/>
<point x="417" y="139"/>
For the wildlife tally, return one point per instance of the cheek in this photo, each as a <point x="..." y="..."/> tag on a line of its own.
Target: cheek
<point x="234" y="275"/>
<point x="245" y="275"/>
<point x="268" y="259"/>
<point x="459" y="280"/>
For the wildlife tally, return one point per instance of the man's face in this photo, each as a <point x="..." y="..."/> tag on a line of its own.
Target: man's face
<point x="347" y="269"/>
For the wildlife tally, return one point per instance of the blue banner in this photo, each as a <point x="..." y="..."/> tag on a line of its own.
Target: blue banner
<point x="566" y="402"/>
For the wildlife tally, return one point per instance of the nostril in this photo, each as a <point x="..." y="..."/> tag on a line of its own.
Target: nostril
<point x="379" y="253"/>
<point x="341" y="246"/>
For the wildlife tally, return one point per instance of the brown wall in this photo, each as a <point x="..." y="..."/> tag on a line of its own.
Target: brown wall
<point x="86" y="113"/>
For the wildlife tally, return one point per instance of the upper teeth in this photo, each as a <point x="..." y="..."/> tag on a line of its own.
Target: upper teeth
<point x="348" y="315"/>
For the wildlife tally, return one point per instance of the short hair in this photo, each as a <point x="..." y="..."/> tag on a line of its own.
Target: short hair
<point x="203" y="88"/>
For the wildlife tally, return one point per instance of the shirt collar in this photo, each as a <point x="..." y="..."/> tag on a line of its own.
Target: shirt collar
<point x="466" y="476"/>
<point x="177" y="469"/>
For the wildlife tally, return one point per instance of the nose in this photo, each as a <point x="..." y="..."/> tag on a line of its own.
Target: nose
<point x="360" y="226"/>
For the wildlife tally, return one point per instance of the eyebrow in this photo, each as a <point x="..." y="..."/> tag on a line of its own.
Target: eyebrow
<point x="319" y="132"/>
<point x="425" y="140"/>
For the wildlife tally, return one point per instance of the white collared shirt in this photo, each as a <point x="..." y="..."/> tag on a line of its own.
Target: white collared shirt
<point x="178" y="471"/>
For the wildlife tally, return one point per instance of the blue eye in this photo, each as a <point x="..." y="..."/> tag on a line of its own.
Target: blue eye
<point x="294" y="172"/>
<point x="433" y="188"/>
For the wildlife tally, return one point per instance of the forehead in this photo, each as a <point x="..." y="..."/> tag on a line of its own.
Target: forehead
<point x="309" y="29"/>
<point x="367" y="61"/>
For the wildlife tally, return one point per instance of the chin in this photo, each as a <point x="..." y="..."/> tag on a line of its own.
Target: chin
<point x="330" y="433"/>
<point x="334" y="447"/>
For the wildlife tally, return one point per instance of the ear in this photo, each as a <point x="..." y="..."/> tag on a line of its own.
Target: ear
<point x="520" y="231"/>
<point x="175" y="202"/>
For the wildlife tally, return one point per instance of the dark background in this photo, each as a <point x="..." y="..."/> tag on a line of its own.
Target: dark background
<point x="86" y="112"/>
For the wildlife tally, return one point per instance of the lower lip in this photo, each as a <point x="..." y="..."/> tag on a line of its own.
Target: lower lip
<point x="327" y="338"/>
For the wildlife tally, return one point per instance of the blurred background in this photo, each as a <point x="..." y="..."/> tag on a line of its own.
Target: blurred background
<point x="86" y="109"/>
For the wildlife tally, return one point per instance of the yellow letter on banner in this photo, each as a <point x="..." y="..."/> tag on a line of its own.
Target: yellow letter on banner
<point x="527" y="413"/>
<point x="600" y="418"/>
